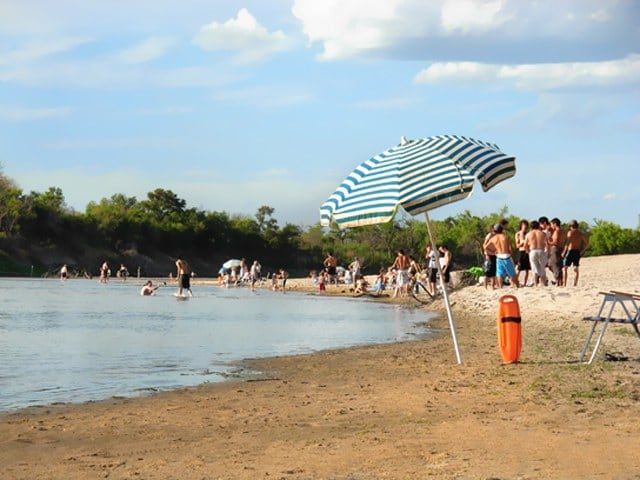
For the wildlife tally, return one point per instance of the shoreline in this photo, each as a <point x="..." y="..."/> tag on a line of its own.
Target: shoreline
<point x="400" y="410"/>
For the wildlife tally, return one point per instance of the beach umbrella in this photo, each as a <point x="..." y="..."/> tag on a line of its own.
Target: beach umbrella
<point x="417" y="175"/>
<point x="233" y="262"/>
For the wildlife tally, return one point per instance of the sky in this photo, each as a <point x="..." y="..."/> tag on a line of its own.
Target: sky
<point x="237" y="104"/>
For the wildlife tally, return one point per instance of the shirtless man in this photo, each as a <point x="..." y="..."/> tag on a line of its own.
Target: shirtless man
<point x="330" y="263"/>
<point x="556" y="243"/>
<point x="536" y="242"/>
<point x="524" y="264"/>
<point x="575" y="247"/>
<point x="184" y="276"/>
<point x="490" y="260"/>
<point x="401" y="264"/>
<point x="504" y="264"/>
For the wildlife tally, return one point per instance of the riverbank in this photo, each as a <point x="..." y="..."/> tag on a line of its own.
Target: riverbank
<point x="387" y="411"/>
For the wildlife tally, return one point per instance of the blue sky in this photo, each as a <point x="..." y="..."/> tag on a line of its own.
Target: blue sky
<point x="237" y="104"/>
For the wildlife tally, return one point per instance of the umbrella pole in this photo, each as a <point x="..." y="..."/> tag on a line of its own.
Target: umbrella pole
<point x="444" y="290"/>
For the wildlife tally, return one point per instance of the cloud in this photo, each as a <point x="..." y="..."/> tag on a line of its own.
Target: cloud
<point x="609" y="197"/>
<point x="41" y="48"/>
<point x="499" y="31"/>
<point x="244" y="36"/>
<point x="537" y="77"/>
<point x="466" y="16"/>
<point x="147" y="50"/>
<point x="16" y="113"/>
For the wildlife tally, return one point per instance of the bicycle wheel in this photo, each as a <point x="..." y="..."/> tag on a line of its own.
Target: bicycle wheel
<point x="420" y="293"/>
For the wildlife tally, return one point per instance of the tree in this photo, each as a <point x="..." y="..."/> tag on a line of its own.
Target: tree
<point x="267" y="224"/>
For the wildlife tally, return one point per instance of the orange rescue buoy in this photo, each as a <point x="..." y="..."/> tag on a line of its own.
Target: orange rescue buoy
<point x="509" y="329"/>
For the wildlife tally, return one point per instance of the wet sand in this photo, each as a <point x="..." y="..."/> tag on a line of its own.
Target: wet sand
<point x="400" y="411"/>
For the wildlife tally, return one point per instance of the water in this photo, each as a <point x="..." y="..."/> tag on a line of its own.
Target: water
<point x="80" y="340"/>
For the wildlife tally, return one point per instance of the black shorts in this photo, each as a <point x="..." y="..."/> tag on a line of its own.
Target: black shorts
<point x="433" y="275"/>
<point x="572" y="258"/>
<point x="331" y="270"/>
<point x="185" y="280"/>
<point x="523" y="261"/>
<point x="489" y="268"/>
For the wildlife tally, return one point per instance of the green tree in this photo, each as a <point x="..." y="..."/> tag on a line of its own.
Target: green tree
<point x="607" y="238"/>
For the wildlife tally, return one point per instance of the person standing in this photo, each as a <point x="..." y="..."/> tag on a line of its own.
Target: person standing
<point x="104" y="272"/>
<point x="401" y="264"/>
<point x="489" y="267"/>
<point x="524" y="264"/>
<point x="254" y="274"/>
<point x="446" y="262"/>
<point x="556" y="244"/>
<point x="432" y="269"/>
<point x="575" y="247"/>
<point x="536" y="244"/>
<point x="63" y="272"/>
<point x="504" y="264"/>
<point x="183" y="274"/>
<point x="330" y="263"/>
<point x="355" y="268"/>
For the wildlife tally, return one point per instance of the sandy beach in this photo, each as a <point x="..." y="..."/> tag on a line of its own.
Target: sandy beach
<point x="400" y="411"/>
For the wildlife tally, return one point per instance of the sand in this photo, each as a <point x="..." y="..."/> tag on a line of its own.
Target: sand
<point x="400" y="411"/>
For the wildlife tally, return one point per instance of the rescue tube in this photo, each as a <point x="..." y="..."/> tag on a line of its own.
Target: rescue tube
<point x="509" y="329"/>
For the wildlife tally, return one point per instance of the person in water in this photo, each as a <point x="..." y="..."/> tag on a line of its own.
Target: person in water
<point x="148" y="288"/>
<point x="184" y="276"/>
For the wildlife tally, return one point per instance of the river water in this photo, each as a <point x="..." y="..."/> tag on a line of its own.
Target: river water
<point x="80" y="340"/>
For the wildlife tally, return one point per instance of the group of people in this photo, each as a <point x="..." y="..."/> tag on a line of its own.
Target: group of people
<point x="541" y="245"/>
<point x="401" y="274"/>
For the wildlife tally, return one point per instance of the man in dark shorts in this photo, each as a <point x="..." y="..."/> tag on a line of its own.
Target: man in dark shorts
<point x="575" y="247"/>
<point x="556" y="242"/>
<point x="184" y="276"/>
<point x="330" y="263"/>
<point x="523" y="264"/>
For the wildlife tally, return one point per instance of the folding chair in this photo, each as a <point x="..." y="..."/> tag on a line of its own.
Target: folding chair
<point x="628" y="311"/>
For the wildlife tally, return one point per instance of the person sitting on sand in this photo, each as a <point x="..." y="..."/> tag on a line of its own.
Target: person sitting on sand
<point x="380" y="283"/>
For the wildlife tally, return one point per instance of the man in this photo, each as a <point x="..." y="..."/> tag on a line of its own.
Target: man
<point x="330" y="263"/>
<point x="401" y="264"/>
<point x="504" y="264"/>
<point x="489" y="268"/>
<point x="536" y="243"/>
<point x="446" y="261"/>
<point x="184" y="276"/>
<point x="355" y="268"/>
<point x="254" y="274"/>
<point x="556" y="243"/>
<point x="524" y="264"/>
<point x="575" y="247"/>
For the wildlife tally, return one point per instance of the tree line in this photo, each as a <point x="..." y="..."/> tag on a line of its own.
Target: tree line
<point x="39" y="231"/>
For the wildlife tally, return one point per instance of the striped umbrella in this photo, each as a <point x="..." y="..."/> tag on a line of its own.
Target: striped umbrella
<point x="417" y="175"/>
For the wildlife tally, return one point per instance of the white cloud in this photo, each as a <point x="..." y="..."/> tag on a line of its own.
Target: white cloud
<point x="147" y="50"/>
<point x="609" y="196"/>
<point x="43" y="47"/>
<point x="16" y="113"/>
<point x="469" y="30"/>
<point x="348" y="27"/>
<point x="243" y="35"/>
<point x="468" y="16"/>
<point x="537" y="77"/>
